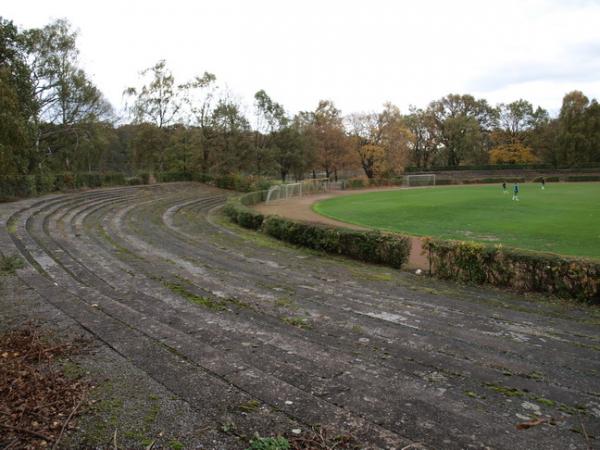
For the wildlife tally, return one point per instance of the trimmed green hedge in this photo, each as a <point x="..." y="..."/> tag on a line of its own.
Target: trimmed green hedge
<point x="526" y="271"/>
<point x="592" y="165"/>
<point x="16" y="186"/>
<point x="467" y="262"/>
<point x="492" y="180"/>
<point x="368" y="246"/>
<point x="583" y="178"/>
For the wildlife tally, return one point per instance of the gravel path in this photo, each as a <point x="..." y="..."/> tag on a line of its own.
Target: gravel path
<point x="220" y="317"/>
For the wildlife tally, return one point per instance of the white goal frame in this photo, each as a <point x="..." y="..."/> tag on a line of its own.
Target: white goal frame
<point x="290" y="190"/>
<point x="427" y="179"/>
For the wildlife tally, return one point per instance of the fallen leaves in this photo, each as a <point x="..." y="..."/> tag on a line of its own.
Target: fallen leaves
<point x="533" y="423"/>
<point x="37" y="401"/>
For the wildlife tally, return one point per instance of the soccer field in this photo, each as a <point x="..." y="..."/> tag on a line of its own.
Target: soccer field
<point x="563" y="218"/>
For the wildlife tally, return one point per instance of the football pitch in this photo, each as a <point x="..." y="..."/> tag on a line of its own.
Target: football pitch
<point x="563" y="218"/>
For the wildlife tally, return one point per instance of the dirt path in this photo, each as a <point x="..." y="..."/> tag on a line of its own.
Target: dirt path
<point x="300" y="208"/>
<point x="247" y="335"/>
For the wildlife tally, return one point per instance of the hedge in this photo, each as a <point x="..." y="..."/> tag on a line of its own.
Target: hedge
<point x="591" y="165"/>
<point x="583" y="178"/>
<point x="15" y="186"/>
<point x="466" y="262"/>
<point x="369" y="246"/>
<point x="18" y="186"/>
<point x="517" y="269"/>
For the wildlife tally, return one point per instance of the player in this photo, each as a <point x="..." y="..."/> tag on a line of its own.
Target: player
<point x="516" y="192"/>
<point x="543" y="183"/>
<point x="504" y="187"/>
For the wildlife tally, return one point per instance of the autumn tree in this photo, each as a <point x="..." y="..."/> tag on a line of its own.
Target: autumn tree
<point x="231" y="143"/>
<point x="270" y="120"/>
<point x="156" y="102"/>
<point x="464" y="125"/>
<point x="515" y="153"/>
<point x="200" y="97"/>
<point x="17" y="103"/>
<point x="67" y="101"/>
<point x="380" y="140"/>
<point x="331" y="144"/>
<point x="578" y="130"/>
<point x="425" y="136"/>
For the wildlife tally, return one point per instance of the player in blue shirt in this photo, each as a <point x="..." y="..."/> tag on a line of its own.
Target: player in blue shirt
<point x="516" y="192"/>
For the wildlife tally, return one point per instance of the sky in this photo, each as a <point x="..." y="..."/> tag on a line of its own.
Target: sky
<point x="359" y="54"/>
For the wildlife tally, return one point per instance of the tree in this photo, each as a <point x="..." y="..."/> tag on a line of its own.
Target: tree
<point x="288" y="151"/>
<point x="200" y="97"/>
<point x="464" y="125"/>
<point x="157" y="102"/>
<point x="425" y="141"/>
<point x="64" y="95"/>
<point x="512" y="154"/>
<point x="380" y="140"/>
<point x="231" y="141"/>
<point x="332" y="149"/>
<point x="577" y="129"/>
<point x="17" y="103"/>
<point x="270" y="119"/>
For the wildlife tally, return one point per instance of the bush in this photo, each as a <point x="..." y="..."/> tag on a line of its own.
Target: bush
<point x="201" y="177"/>
<point x="583" y="178"/>
<point x="113" y="179"/>
<point x="241" y="183"/>
<point x="548" y="179"/>
<point x="168" y="177"/>
<point x="237" y="210"/>
<point x="356" y="183"/>
<point x="526" y="271"/>
<point x="368" y="246"/>
<point x="492" y="180"/>
<point x="45" y="183"/>
<point x="146" y="177"/>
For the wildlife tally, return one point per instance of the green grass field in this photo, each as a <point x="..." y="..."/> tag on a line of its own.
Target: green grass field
<point x="563" y="218"/>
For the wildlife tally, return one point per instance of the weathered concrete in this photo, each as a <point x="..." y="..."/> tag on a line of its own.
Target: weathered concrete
<point x="218" y="316"/>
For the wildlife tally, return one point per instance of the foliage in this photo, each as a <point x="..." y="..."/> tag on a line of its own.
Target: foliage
<point x="369" y="246"/>
<point x="527" y="271"/>
<point x="512" y="154"/>
<point x="381" y="141"/>
<point x="10" y="264"/>
<point x="17" y="186"/>
<point x="269" y="443"/>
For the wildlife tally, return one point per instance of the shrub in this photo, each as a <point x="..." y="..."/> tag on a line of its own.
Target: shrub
<point x="548" y="179"/>
<point x="133" y="181"/>
<point x="113" y="179"/>
<point x="146" y="177"/>
<point x="356" y="183"/>
<point x="45" y="183"/>
<point x="368" y="246"/>
<point x="583" y="178"/>
<point x="237" y="211"/>
<point x="269" y="443"/>
<point x="527" y="271"/>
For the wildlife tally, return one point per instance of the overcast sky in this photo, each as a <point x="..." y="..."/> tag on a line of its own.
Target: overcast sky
<point x="357" y="53"/>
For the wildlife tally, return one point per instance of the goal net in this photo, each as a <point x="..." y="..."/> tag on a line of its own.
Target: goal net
<point x="420" y="180"/>
<point x="291" y="190"/>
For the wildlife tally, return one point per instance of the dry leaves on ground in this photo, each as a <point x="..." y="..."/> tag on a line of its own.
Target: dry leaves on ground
<point x="38" y="402"/>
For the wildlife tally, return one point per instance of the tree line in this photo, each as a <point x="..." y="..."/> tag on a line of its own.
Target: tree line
<point x="54" y="119"/>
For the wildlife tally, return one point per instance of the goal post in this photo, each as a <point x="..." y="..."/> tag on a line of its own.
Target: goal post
<point x="291" y="190"/>
<point x="426" y="179"/>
